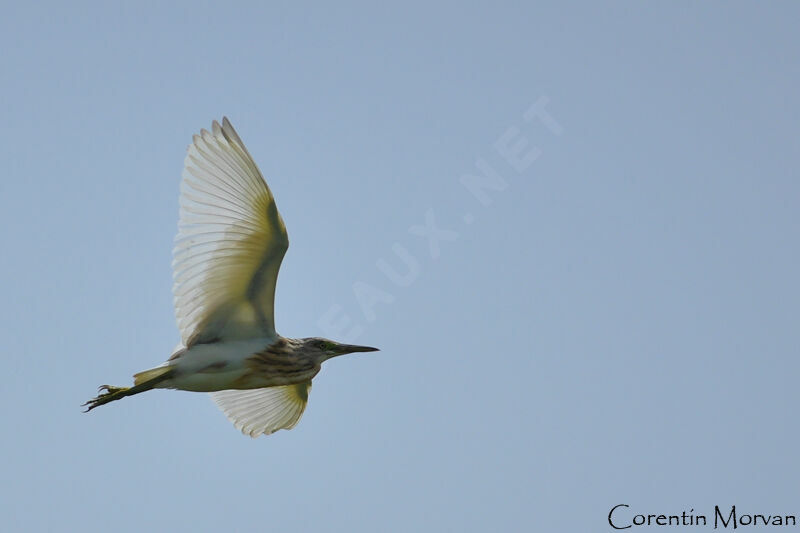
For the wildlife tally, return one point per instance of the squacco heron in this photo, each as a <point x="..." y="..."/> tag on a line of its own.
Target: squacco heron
<point x="230" y="244"/>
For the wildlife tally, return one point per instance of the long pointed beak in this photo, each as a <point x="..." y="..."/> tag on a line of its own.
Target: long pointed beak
<point x="352" y="348"/>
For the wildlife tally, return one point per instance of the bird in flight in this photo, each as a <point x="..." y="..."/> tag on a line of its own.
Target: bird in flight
<point x="230" y="244"/>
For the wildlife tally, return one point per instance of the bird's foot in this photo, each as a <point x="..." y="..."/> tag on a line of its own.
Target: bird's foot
<point x="107" y="394"/>
<point x="110" y="390"/>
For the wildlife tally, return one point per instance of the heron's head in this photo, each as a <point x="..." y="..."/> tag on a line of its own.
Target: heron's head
<point x="325" y="349"/>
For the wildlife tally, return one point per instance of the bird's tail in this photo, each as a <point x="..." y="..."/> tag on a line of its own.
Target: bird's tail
<point x="147" y="375"/>
<point x="143" y="381"/>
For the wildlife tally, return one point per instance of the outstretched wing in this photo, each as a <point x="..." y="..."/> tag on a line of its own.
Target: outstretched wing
<point x="263" y="411"/>
<point x="230" y="243"/>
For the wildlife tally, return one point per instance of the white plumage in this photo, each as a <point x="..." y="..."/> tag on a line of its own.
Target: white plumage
<point x="230" y="243"/>
<point x="264" y="411"/>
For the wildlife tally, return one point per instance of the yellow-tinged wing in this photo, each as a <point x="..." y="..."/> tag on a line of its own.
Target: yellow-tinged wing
<point x="230" y="243"/>
<point x="263" y="411"/>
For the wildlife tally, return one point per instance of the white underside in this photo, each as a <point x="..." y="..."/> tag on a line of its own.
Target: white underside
<point x="214" y="367"/>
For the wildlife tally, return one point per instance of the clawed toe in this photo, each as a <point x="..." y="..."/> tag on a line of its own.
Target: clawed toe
<point x="107" y="394"/>
<point x="91" y="404"/>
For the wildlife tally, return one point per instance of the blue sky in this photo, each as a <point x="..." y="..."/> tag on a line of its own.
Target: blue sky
<point x="611" y="318"/>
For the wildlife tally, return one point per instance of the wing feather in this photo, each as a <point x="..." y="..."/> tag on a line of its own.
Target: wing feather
<point x="230" y="243"/>
<point x="263" y="411"/>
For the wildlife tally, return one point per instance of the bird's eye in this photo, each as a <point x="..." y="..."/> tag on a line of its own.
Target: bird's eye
<point x="322" y="345"/>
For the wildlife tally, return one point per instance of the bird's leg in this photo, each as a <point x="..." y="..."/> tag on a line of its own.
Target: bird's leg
<point x="107" y="394"/>
<point x="110" y="394"/>
<point x="111" y="390"/>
